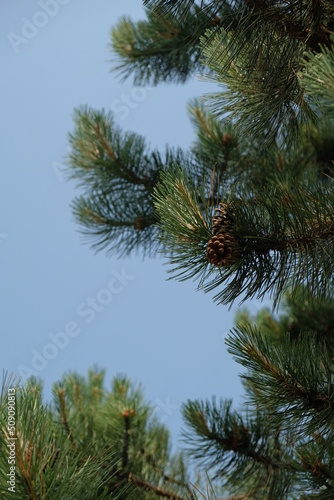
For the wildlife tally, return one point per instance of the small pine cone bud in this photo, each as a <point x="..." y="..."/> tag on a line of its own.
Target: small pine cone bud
<point x="128" y="412"/>
<point x="228" y="139"/>
<point x="221" y="250"/>
<point x="221" y="220"/>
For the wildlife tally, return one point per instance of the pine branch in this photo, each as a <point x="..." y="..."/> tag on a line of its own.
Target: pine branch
<point x="290" y="380"/>
<point x="216" y="146"/>
<point x="124" y="171"/>
<point x="229" y="436"/>
<point x="62" y="405"/>
<point x="318" y="79"/>
<point x="313" y="37"/>
<point x="165" y="47"/>
<point x="243" y="452"/>
<point x="316" y="461"/>
<point x="155" y="489"/>
<point x="184" y="225"/>
<point x="277" y="237"/>
<point x="24" y="469"/>
<point x="254" y="97"/>
<point x="162" y="48"/>
<point x="258" y="61"/>
<point x="126" y="440"/>
<point x="118" y="175"/>
<point x="170" y="7"/>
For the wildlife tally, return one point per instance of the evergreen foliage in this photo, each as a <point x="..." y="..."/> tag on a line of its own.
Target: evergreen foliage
<point x="318" y="79"/>
<point x="274" y="248"/>
<point x="89" y="443"/>
<point x="158" y="49"/>
<point x="267" y="56"/>
<point x="281" y="444"/>
<point x="247" y="211"/>
<point x="117" y="174"/>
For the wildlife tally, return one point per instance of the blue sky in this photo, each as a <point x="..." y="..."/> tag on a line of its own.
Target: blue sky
<point x="119" y="314"/>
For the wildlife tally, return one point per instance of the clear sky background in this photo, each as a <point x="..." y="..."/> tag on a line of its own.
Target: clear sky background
<point x="162" y="334"/>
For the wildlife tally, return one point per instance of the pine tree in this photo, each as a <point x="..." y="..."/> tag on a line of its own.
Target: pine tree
<point x="89" y="443"/>
<point x="248" y="211"/>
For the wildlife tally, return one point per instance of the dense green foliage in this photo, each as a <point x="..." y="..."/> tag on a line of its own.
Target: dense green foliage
<point x="89" y="443"/>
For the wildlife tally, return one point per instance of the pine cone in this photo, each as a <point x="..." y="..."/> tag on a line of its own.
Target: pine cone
<point x="221" y="250"/>
<point x="221" y="220"/>
<point x="228" y="139"/>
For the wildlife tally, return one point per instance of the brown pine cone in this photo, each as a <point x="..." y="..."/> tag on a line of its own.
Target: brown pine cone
<point x="221" y="220"/>
<point x="221" y="250"/>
